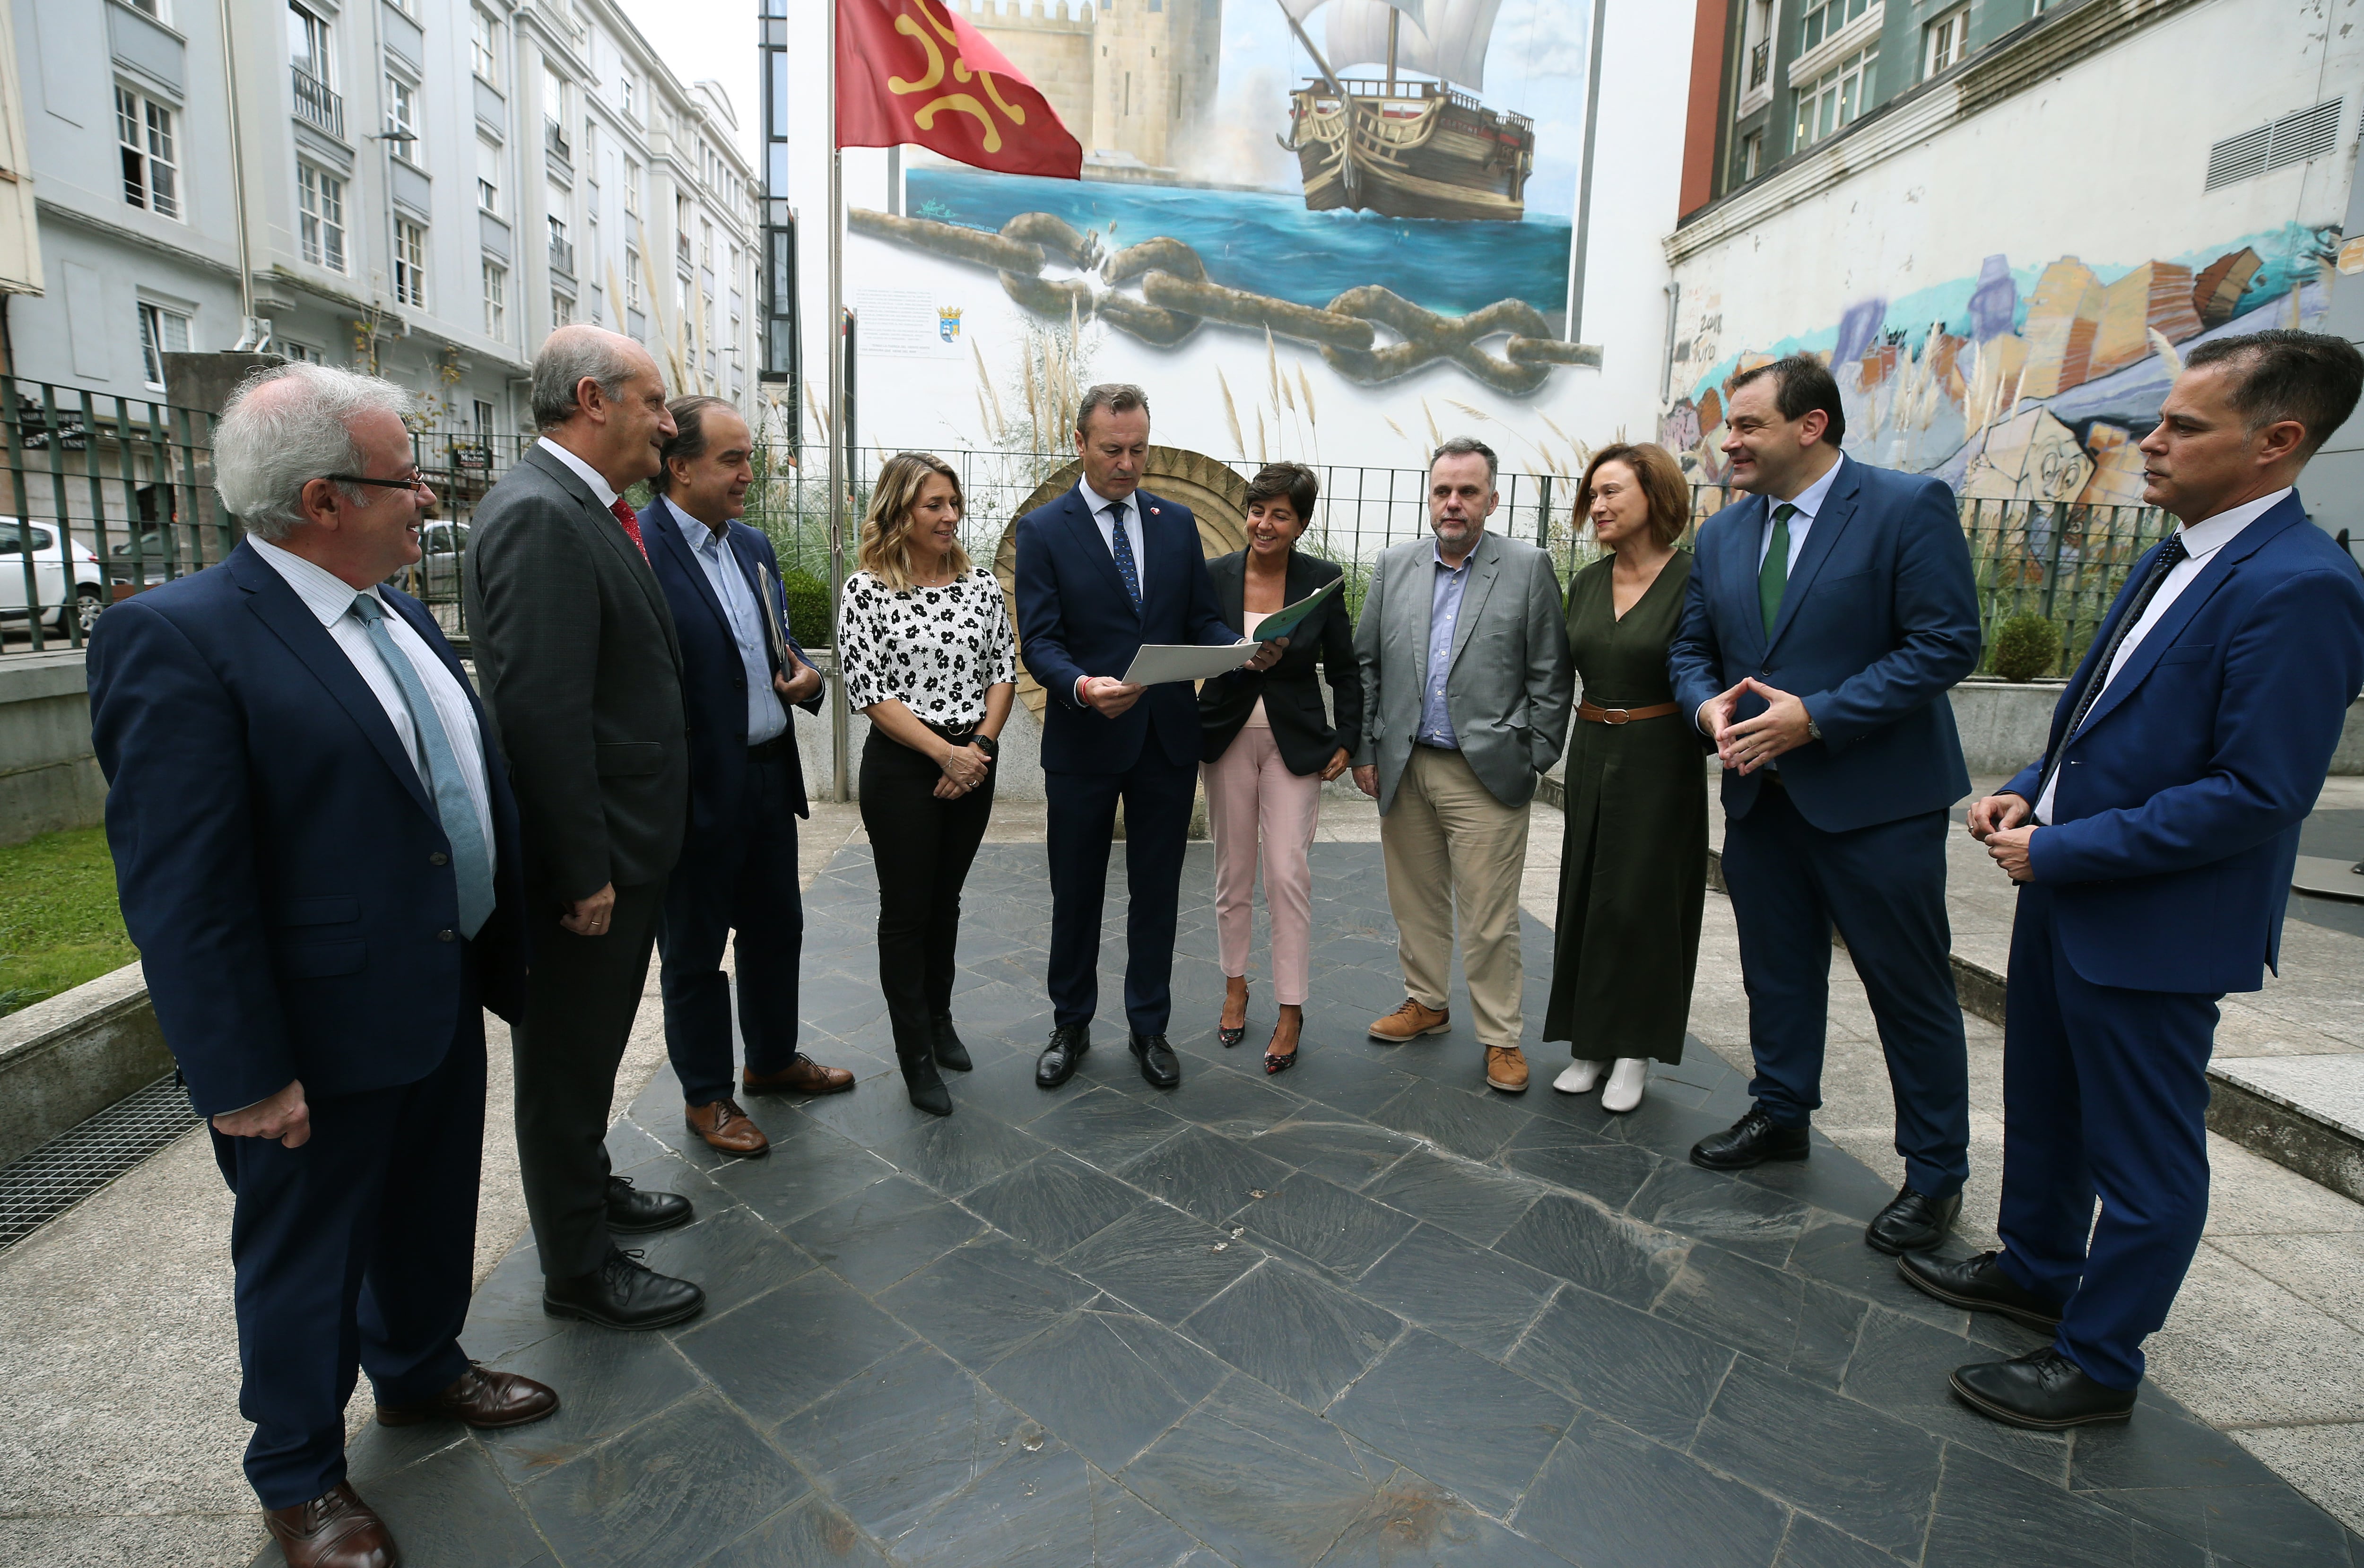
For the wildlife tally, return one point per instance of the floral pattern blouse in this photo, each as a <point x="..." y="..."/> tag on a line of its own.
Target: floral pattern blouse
<point x="935" y="650"/>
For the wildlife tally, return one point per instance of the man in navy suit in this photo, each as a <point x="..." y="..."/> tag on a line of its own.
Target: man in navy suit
<point x="2153" y="844"/>
<point x="738" y="866"/>
<point x="1101" y="571"/>
<point x="317" y="852"/>
<point x="1827" y="616"/>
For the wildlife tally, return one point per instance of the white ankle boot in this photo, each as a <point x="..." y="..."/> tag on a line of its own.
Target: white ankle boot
<point x="1577" y="1078"/>
<point x="1625" y="1084"/>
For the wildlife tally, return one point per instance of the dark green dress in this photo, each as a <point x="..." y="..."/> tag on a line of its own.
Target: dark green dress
<point x="1633" y="876"/>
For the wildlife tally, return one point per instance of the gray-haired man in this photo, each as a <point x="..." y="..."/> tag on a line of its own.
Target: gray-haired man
<point x="1465" y="692"/>
<point x="582" y="671"/>
<point x="317" y="852"/>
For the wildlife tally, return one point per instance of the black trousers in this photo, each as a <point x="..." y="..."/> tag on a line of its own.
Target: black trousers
<point x="924" y="848"/>
<point x="353" y="1252"/>
<point x="580" y="1000"/>
<point x="1156" y="793"/>
<point x="745" y="881"/>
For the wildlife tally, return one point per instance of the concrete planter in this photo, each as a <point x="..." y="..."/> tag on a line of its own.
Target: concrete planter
<point x="48" y="774"/>
<point x="63" y="1060"/>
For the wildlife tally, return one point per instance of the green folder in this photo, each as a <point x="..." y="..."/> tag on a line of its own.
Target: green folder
<point x="1285" y="622"/>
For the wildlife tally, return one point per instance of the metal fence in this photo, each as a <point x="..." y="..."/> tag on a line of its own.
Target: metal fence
<point x="108" y="496"/>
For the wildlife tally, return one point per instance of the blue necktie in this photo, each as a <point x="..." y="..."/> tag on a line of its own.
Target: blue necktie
<point x="471" y="858"/>
<point x="1121" y="542"/>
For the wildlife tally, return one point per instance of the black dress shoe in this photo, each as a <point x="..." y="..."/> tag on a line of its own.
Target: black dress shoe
<point x="950" y="1052"/>
<point x="1750" y="1141"/>
<point x="631" y="1212"/>
<point x="1156" y="1058"/>
<point x="1912" y="1222"/>
<point x="922" y="1082"/>
<point x="1057" y="1063"/>
<point x="1978" y="1285"/>
<point x="623" y="1293"/>
<point x="2043" y="1390"/>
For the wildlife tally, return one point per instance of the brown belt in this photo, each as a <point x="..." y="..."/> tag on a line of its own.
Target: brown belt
<point x="1585" y="710"/>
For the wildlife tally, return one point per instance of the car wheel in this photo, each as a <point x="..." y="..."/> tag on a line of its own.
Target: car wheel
<point x="87" y="606"/>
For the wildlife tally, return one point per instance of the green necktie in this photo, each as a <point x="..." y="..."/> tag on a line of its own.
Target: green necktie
<point x="1773" y="577"/>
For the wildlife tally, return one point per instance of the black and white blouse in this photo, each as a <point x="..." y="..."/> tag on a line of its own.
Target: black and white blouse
<point x="935" y="650"/>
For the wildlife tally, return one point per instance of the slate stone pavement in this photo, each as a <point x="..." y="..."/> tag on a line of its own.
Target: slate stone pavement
<point x="1365" y="1312"/>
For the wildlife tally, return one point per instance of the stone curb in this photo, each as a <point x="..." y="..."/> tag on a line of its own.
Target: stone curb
<point x="64" y="1060"/>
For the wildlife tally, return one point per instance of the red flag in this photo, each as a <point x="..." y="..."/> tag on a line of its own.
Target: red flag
<point x="915" y="71"/>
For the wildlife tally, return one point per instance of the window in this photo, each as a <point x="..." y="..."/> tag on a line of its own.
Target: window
<point x="307" y="43"/>
<point x="562" y="309"/>
<point x="149" y="8"/>
<point x="496" y="299"/>
<point x="482" y="59"/>
<point x="294" y="350"/>
<point x="705" y="244"/>
<point x="410" y="263"/>
<point x="323" y="202"/>
<point x="1944" y="41"/>
<point x="1824" y="18"/>
<point x="162" y="332"/>
<point x="632" y="278"/>
<point x="483" y="415"/>
<point x="632" y="96"/>
<point x="631" y="189"/>
<point x="489" y="176"/>
<point x="152" y="162"/>
<point x="402" y="119"/>
<point x="1752" y="156"/>
<point x="1835" y="100"/>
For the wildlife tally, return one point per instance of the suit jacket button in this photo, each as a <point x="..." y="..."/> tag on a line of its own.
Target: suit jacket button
<point x="438" y="858"/>
<point x="447" y="936"/>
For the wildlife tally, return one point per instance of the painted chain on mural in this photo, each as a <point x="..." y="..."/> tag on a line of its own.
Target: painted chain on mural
<point x="1176" y="297"/>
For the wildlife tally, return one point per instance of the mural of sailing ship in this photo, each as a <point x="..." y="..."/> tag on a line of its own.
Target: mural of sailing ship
<point x="1405" y="147"/>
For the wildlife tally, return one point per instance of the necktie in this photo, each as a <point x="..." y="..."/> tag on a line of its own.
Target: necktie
<point x="1773" y="577"/>
<point x="471" y="858"/>
<point x="2170" y="555"/>
<point x="1121" y="542"/>
<point x="632" y="526"/>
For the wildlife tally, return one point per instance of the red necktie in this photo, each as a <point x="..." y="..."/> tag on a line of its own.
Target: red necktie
<point x="632" y="526"/>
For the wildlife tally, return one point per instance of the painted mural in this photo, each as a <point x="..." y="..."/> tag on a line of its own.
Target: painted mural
<point x="2021" y="382"/>
<point x="1360" y="206"/>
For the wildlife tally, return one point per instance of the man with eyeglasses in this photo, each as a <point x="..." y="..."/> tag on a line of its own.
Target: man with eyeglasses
<point x="318" y="854"/>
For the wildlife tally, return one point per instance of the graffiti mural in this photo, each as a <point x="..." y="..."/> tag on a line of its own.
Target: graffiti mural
<point x="2021" y="382"/>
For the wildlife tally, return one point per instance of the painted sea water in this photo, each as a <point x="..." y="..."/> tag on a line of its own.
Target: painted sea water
<point x="1268" y="242"/>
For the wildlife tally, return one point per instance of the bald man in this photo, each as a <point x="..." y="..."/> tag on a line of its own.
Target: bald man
<point x="582" y="671"/>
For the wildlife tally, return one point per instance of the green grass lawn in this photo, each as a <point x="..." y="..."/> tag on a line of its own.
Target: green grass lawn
<point x="59" y="923"/>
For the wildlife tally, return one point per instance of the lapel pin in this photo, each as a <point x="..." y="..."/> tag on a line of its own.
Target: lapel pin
<point x="1153" y="512"/>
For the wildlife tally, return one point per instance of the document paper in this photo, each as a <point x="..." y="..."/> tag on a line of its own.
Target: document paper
<point x="1157" y="663"/>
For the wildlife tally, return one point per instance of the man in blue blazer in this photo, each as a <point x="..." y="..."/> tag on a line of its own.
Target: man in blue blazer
<point x="317" y="853"/>
<point x="1101" y="571"/>
<point x="2153" y="844"/>
<point x="1827" y="616"/>
<point x="738" y="865"/>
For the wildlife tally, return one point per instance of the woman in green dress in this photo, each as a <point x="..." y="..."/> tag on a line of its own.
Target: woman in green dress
<point x="1632" y="875"/>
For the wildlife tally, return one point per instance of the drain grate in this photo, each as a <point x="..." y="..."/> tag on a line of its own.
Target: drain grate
<point x="74" y="1165"/>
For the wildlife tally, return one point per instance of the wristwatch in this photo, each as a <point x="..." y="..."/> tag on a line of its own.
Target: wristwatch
<point x="986" y="744"/>
<point x="1813" y="730"/>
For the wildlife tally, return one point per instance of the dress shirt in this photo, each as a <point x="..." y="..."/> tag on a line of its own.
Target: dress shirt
<point x="2201" y="540"/>
<point x="766" y="718"/>
<point x="1445" y="584"/>
<point x="1131" y="513"/>
<point x="1806" y="502"/>
<point x="330" y="599"/>
<point x="601" y="491"/>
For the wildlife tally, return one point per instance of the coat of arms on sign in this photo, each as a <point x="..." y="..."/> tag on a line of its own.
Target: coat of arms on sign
<point x="948" y="323"/>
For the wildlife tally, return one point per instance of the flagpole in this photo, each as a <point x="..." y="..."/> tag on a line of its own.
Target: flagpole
<point x="840" y="722"/>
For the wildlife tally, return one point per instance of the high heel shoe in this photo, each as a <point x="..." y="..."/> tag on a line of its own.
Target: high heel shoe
<point x="1229" y="1035"/>
<point x="1275" y="1062"/>
<point x="924" y="1084"/>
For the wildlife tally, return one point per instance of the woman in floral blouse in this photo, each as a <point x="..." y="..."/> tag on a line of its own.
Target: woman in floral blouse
<point x="925" y="647"/>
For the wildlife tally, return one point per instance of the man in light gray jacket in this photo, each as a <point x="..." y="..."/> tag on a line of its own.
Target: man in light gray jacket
<point x="1466" y="688"/>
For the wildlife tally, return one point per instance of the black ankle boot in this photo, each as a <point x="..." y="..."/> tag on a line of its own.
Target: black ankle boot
<point x="950" y="1052"/>
<point x="926" y="1085"/>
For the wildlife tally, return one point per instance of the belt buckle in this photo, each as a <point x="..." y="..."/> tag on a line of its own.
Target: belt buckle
<point x="1616" y="715"/>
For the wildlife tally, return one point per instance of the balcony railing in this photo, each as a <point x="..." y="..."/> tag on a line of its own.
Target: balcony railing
<point x="553" y="137"/>
<point x="562" y="257"/>
<point x="1760" y="62"/>
<point x="316" y="102"/>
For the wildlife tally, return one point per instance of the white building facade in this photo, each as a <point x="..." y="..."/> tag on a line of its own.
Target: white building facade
<point x="421" y="188"/>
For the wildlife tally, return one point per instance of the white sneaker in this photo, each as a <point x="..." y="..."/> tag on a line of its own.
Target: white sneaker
<point x="1625" y="1084"/>
<point x="1577" y="1078"/>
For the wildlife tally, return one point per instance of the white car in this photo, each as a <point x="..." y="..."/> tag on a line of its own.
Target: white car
<point x="88" y="595"/>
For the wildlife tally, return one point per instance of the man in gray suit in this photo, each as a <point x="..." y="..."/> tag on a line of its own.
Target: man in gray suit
<point x="581" y="670"/>
<point x="1466" y="686"/>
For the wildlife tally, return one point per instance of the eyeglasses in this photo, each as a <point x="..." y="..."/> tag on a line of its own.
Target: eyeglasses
<point x="415" y="481"/>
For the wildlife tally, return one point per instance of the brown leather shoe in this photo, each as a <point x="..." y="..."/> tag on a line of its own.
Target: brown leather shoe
<point x="802" y="1076"/>
<point x="1410" y="1020"/>
<point x="335" y="1531"/>
<point x="481" y="1399"/>
<point x="726" y="1128"/>
<point x="1506" y="1069"/>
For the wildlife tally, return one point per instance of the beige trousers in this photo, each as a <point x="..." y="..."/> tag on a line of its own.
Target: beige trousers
<point x="1448" y="843"/>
